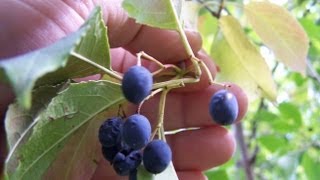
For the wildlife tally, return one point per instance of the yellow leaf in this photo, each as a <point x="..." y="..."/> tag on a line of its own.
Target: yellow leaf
<point x="281" y="32"/>
<point x="240" y="62"/>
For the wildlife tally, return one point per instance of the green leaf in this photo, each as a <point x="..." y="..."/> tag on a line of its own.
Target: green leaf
<point x="17" y="119"/>
<point x="288" y="164"/>
<point x="54" y="64"/>
<point x="68" y="114"/>
<point x="217" y="174"/>
<point x="290" y="113"/>
<point x="240" y="62"/>
<point x="273" y="142"/>
<point x="281" y="32"/>
<point x="167" y="174"/>
<point x="312" y="30"/>
<point x="154" y="12"/>
<point x="208" y="27"/>
<point x="311" y="165"/>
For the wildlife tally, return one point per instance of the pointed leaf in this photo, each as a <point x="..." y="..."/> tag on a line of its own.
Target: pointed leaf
<point x="281" y="32"/>
<point x="240" y="62"/>
<point x="54" y="64"/>
<point x="66" y="114"/>
<point x="154" y="12"/>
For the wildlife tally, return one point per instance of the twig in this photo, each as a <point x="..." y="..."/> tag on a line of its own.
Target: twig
<point x="244" y="151"/>
<point x="313" y="74"/>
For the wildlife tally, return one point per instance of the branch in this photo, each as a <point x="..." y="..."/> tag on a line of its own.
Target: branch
<point x="244" y="152"/>
<point x="313" y="74"/>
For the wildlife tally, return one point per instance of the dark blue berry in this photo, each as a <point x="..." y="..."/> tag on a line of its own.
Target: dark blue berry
<point x="133" y="175"/>
<point x="110" y="132"/>
<point x="124" y="164"/>
<point x="109" y="152"/>
<point x="156" y="156"/>
<point x="137" y="84"/>
<point x="223" y="107"/>
<point x="136" y="131"/>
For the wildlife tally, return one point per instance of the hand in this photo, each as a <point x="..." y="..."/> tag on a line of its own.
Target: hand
<point x="30" y="25"/>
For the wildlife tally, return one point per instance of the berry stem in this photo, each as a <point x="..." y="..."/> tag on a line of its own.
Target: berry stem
<point x="175" y="83"/>
<point x="111" y="73"/>
<point x="162" y="104"/>
<point x="148" y="97"/>
<point x="146" y="56"/>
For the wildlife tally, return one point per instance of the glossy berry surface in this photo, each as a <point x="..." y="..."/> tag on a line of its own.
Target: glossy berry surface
<point x="110" y="131"/>
<point x="136" y="131"/>
<point x="156" y="156"/>
<point x="223" y="107"/>
<point x="124" y="164"/>
<point x="136" y="84"/>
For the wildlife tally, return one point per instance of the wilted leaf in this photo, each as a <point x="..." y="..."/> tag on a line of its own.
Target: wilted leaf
<point x="54" y="64"/>
<point x="154" y="12"/>
<point x="67" y="114"/>
<point x="281" y="32"/>
<point x="240" y="62"/>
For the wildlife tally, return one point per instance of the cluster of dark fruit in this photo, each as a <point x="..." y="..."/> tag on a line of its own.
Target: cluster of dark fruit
<point x="125" y="144"/>
<point x="122" y="143"/>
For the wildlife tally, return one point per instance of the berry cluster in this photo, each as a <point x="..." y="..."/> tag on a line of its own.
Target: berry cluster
<point x="122" y="143"/>
<point x="126" y="143"/>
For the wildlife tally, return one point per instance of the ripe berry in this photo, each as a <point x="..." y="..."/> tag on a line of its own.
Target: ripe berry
<point x="133" y="175"/>
<point x="137" y="84"/>
<point x="136" y="131"/>
<point x="223" y="107"/>
<point x="109" y="152"/>
<point x="110" y="132"/>
<point x="124" y="164"/>
<point x="156" y="156"/>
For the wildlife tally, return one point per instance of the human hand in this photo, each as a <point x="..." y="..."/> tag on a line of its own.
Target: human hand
<point x="35" y="24"/>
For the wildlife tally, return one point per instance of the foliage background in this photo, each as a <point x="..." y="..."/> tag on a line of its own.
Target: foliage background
<point x="280" y="140"/>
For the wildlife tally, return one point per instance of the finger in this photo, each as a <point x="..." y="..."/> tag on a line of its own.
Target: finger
<point x="164" y="45"/>
<point x="191" y="175"/>
<point x="189" y="109"/>
<point x="201" y="149"/>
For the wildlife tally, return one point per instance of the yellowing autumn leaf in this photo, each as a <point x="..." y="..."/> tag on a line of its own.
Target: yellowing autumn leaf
<point x="240" y="62"/>
<point x="281" y="32"/>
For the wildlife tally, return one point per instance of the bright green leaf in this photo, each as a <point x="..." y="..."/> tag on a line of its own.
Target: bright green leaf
<point x="154" y="12"/>
<point x="273" y="142"/>
<point x="217" y="174"/>
<point x="313" y="32"/>
<point x="55" y="64"/>
<point x="240" y="62"/>
<point x="167" y="174"/>
<point x="290" y="112"/>
<point x="68" y="113"/>
<point x="311" y="165"/>
<point x="281" y="32"/>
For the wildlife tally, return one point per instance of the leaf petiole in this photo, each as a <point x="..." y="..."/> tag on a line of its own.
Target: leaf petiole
<point x="107" y="71"/>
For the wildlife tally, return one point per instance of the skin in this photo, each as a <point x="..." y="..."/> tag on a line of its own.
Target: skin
<point x="27" y="25"/>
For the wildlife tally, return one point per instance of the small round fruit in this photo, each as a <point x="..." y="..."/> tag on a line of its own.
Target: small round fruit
<point x="123" y="164"/>
<point x="110" y="131"/>
<point x="156" y="156"/>
<point x="109" y="152"/>
<point x="223" y="107"/>
<point x="137" y="84"/>
<point x="136" y="131"/>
